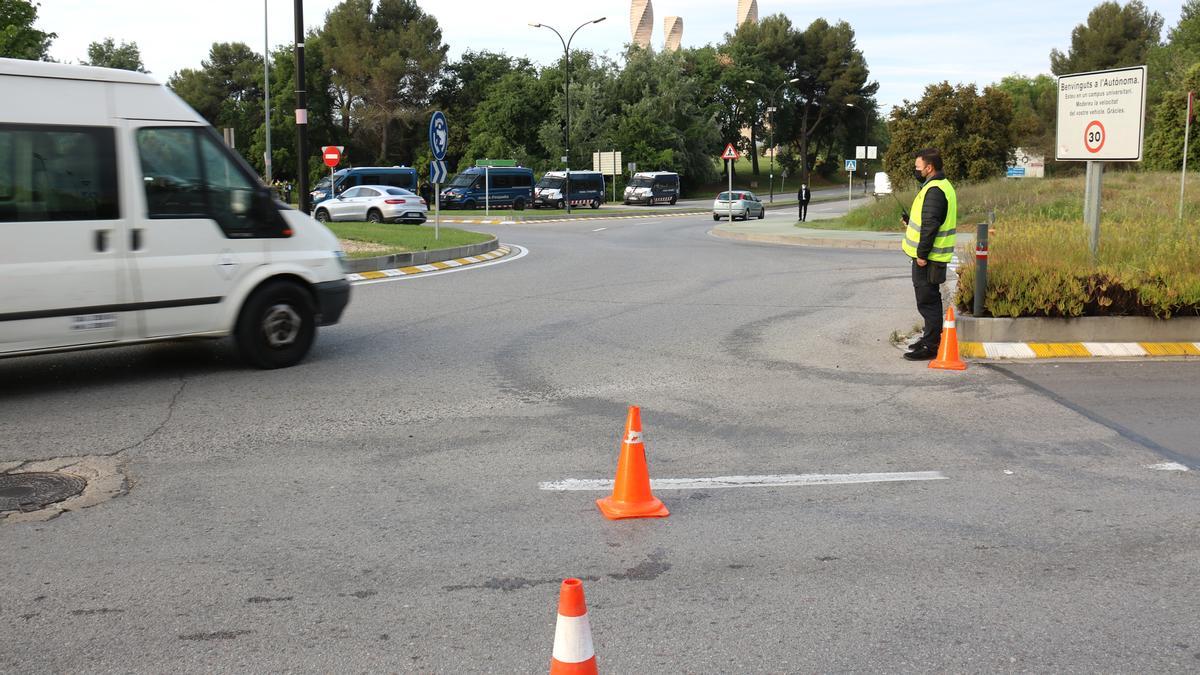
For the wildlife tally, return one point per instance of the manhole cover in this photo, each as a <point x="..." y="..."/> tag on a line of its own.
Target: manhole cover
<point x="36" y="490"/>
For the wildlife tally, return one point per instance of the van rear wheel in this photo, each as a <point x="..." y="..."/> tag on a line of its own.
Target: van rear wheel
<point x="276" y="326"/>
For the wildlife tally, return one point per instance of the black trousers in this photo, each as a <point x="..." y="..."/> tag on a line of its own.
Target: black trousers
<point x="927" y="283"/>
<point x="803" y="210"/>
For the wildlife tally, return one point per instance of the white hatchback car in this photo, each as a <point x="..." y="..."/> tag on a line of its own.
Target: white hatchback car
<point x="374" y="204"/>
<point x="744" y="205"/>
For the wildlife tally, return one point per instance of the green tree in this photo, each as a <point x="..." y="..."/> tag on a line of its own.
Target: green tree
<point x="462" y="88"/>
<point x="18" y="38"/>
<point x="321" y="127"/>
<point x="385" y="60"/>
<point x="662" y="121"/>
<point x="1114" y="36"/>
<point x="506" y="122"/>
<point x="832" y="72"/>
<point x="1035" y="104"/>
<point x="761" y="52"/>
<point x="108" y="54"/>
<point x="227" y="91"/>
<point x="1168" y="63"/>
<point x="973" y="131"/>
<point x="1164" y="144"/>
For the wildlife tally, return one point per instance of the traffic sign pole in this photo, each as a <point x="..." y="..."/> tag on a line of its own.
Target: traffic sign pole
<point x="439" y="142"/>
<point x="1187" y="132"/>
<point x="729" y="197"/>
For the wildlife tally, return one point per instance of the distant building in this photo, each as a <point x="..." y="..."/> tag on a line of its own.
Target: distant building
<point x="1027" y="164"/>
<point x="673" y="30"/>
<point x="747" y="11"/>
<point x="641" y="22"/>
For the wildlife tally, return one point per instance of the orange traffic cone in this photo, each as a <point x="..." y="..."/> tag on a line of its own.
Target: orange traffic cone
<point x="947" y="357"/>
<point x="631" y="497"/>
<point x="573" y="652"/>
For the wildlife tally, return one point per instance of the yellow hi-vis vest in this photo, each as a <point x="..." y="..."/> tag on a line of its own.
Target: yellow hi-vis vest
<point x="943" y="245"/>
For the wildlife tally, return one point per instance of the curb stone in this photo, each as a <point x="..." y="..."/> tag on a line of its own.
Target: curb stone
<point x="417" y="258"/>
<point x="414" y="270"/>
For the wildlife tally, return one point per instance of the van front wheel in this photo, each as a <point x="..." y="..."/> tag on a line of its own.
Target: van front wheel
<point x="595" y="203"/>
<point x="277" y="326"/>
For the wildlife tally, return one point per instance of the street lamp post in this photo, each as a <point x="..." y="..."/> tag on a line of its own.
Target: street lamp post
<point x="866" y="138"/>
<point x="773" y="109"/>
<point x="567" y="95"/>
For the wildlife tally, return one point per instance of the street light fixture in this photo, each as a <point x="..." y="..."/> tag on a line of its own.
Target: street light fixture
<point x="567" y="95"/>
<point x="773" y="108"/>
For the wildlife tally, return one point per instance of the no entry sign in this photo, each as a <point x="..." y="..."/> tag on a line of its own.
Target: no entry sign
<point x="332" y="154"/>
<point x="1102" y="115"/>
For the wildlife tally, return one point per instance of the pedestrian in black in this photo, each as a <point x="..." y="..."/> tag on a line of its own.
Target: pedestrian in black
<point x="804" y="196"/>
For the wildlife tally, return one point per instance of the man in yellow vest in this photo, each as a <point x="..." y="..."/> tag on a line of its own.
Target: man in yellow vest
<point x="929" y="241"/>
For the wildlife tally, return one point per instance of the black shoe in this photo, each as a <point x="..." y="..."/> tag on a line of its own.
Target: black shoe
<point x="921" y="353"/>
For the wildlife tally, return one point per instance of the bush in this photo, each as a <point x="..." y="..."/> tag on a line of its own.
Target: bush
<point x="1148" y="263"/>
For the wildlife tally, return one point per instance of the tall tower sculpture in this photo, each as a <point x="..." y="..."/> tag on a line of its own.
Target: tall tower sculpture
<point x="641" y="22"/>
<point x="747" y="11"/>
<point x="673" y="30"/>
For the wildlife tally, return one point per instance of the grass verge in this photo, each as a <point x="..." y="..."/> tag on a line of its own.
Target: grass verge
<point x="1040" y="264"/>
<point x="366" y="240"/>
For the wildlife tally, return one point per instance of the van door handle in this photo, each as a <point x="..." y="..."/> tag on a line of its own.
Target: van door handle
<point x="135" y="239"/>
<point x="101" y="242"/>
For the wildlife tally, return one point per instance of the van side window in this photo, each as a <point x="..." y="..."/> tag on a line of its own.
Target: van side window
<point x="57" y="173"/>
<point x="230" y="192"/>
<point x="523" y="180"/>
<point x="171" y="173"/>
<point x="187" y="173"/>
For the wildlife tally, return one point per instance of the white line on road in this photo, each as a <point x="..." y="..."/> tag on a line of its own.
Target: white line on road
<point x="786" y="480"/>
<point x="600" y="229"/>
<point x="522" y="252"/>
<point x="1167" y="466"/>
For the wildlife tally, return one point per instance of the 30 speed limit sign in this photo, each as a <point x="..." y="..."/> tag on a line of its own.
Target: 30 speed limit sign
<point x="1101" y="116"/>
<point x="1093" y="137"/>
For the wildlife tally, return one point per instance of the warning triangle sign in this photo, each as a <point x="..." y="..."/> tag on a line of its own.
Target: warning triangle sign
<point x="730" y="152"/>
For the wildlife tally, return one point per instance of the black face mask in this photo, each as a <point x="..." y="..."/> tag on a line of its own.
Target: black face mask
<point x="919" y="175"/>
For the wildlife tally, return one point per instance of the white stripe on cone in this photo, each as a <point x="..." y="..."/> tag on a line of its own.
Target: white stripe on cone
<point x="572" y="640"/>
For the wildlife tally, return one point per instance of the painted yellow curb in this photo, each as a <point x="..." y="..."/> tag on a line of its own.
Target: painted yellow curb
<point x="431" y="267"/>
<point x="1074" y="350"/>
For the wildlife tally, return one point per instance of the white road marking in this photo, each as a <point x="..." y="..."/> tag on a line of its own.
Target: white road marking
<point x="786" y="480"/>
<point x="522" y="252"/>
<point x="1168" y="466"/>
<point x="1114" y="349"/>
<point x="600" y="229"/>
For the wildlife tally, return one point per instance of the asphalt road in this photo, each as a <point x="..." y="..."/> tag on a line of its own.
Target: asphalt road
<point x="377" y="508"/>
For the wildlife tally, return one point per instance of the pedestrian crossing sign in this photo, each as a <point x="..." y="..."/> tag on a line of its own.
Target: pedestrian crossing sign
<point x="851" y="165"/>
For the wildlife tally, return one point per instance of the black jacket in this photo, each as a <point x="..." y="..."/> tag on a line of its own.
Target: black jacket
<point x="804" y="195"/>
<point x="933" y="214"/>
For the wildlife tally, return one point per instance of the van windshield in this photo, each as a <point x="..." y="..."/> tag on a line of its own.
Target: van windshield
<point x="641" y="182"/>
<point x="554" y="183"/>
<point x="322" y="184"/>
<point x="463" y="180"/>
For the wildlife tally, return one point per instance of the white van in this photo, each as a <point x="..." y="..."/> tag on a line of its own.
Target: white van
<point x="124" y="219"/>
<point x="883" y="184"/>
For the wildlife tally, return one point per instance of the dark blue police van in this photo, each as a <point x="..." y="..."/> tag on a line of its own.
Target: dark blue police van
<point x="395" y="176"/>
<point x="508" y="187"/>
<point x="587" y="189"/>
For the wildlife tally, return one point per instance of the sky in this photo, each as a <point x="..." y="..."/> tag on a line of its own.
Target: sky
<point x="908" y="45"/>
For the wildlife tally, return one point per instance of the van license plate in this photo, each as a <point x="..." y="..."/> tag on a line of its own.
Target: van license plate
<point x="93" y="322"/>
